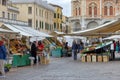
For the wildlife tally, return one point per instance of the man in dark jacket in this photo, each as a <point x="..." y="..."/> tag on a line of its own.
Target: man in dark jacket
<point x="74" y="50"/>
<point x="34" y="51"/>
<point x="3" y="54"/>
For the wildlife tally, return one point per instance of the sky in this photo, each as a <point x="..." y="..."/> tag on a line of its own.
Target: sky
<point x="66" y="4"/>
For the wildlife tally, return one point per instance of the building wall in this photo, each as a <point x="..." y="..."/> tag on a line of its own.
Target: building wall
<point x="42" y="19"/>
<point x="3" y="8"/>
<point x="8" y="12"/>
<point x="92" y="13"/>
<point x="58" y="18"/>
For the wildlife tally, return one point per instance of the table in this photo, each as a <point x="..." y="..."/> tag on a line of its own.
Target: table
<point x="21" y="60"/>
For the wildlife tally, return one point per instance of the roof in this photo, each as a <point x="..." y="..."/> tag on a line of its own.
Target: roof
<point x="25" y="30"/>
<point x="7" y="31"/>
<point x="109" y="27"/>
<point x="54" y="5"/>
<point x="39" y="2"/>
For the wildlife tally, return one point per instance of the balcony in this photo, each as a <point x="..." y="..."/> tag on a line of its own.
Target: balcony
<point x="11" y="21"/>
<point x="13" y="8"/>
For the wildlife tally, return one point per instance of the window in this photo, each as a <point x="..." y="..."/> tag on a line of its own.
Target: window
<point x="76" y="11"/>
<point x="111" y="10"/>
<point x="36" y="11"/>
<point x="40" y="25"/>
<point x="30" y="22"/>
<point x="54" y="26"/>
<point x="90" y="11"/>
<point x="54" y="15"/>
<point x="61" y="27"/>
<point x="105" y="10"/>
<point x="36" y="24"/>
<point x="3" y="14"/>
<point x="95" y="11"/>
<point x="8" y="15"/>
<point x="58" y="15"/>
<point x="29" y="10"/>
<point x="79" y="11"/>
<point x="61" y="16"/>
<point x="4" y="2"/>
<point x="40" y="12"/>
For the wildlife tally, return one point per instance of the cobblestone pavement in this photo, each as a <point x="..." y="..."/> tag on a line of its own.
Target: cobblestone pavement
<point x="67" y="69"/>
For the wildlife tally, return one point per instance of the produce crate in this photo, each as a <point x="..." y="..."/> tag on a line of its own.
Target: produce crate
<point x="94" y="58"/>
<point x="99" y="58"/>
<point x="105" y="58"/>
<point x="89" y="58"/>
<point x="83" y="58"/>
<point x="43" y="60"/>
<point x="57" y="53"/>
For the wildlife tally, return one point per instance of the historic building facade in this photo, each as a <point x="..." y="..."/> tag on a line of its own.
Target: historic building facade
<point x="57" y="17"/>
<point x="8" y="12"/>
<point x="88" y="14"/>
<point x="39" y="14"/>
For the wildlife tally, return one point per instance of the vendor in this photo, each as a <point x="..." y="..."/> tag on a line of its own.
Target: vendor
<point x="3" y="54"/>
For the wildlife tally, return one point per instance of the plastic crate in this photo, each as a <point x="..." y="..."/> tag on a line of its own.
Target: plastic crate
<point x="57" y="53"/>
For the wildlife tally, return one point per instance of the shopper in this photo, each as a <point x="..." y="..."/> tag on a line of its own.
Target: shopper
<point x="40" y="50"/>
<point x="66" y="49"/>
<point x="34" y="51"/>
<point x="80" y="46"/>
<point x="3" y="54"/>
<point x="112" y="50"/>
<point x="74" y="50"/>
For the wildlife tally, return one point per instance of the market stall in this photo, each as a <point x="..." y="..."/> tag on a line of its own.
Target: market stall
<point x="19" y="47"/>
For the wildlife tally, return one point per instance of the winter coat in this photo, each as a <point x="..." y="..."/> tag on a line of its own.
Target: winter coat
<point x="3" y="51"/>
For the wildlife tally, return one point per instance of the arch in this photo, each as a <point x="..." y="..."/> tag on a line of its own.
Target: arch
<point x="108" y="8"/>
<point x="106" y="22"/>
<point x="92" y="24"/>
<point x="93" y="9"/>
<point x="77" y="26"/>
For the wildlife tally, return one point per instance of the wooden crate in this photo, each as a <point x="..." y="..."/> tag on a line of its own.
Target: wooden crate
<point x="83" y="58"/>
<point x="99" y="58"/>
<point x="94" y="58"/>
<point x="89" y="58"/>
<point x="105" y="58"/>
<point x="43" y="60"/>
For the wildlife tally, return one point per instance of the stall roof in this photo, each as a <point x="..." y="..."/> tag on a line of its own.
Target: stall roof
<point x="7" y="31"/>
<point x="107" y="28"/>
<point x="10" y="27"/>
<point x="26" y="31"/>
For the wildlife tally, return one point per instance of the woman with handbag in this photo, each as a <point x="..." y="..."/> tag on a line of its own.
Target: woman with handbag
<point x="40" y="50"/>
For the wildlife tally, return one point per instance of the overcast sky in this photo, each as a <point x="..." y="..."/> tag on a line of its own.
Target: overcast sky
<point x="66" y="4"/>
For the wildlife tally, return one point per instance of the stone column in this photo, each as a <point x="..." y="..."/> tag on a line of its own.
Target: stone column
<point x="100" y="8"/>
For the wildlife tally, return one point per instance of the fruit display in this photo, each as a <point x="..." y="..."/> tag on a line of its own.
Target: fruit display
<point x="17" y="46"/>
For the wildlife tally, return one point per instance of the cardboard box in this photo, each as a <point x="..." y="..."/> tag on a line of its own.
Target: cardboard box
<point x="89" y="58"/>
<point x="94" y="58"/>
<point x="83" y="58"/>
<point x="105" y="58"/>
<point x="43" y="60"/>
<point x="99" y="58"/>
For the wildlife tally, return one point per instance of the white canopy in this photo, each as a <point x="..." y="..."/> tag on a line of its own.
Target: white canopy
<point x="110" y="27"/>
<point x="26" y="31"/>
<point x="113" y="37"/>
<point x="36" y="39"/>
<point x="7" y="31"/>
